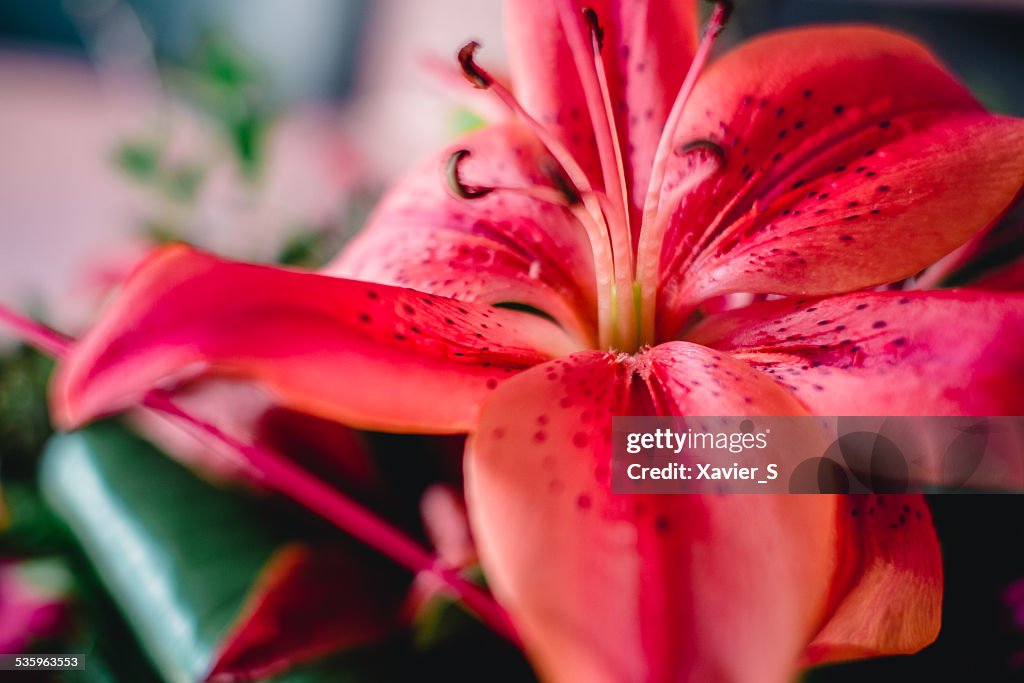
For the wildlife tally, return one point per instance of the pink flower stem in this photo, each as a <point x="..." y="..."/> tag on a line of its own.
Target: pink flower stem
<point x="288" y="478"/>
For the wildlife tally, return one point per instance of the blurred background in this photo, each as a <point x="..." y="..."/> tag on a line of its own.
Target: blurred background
<point x="263" y="119"/>
<point x="336" y="96"/>
<point x="265" y="129"/>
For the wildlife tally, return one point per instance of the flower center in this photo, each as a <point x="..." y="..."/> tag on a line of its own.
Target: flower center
<point x="627" y="266"/>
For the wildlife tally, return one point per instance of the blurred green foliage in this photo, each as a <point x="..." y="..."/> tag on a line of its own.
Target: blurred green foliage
<point x="224" y="83"/>
<point x="24" y="420"/>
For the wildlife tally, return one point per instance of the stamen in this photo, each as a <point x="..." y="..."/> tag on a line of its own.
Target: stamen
<point x="482" y="79"/>
<point x="727" y="7"/>
<point x="597" y="40"/>
<point x="590" y="15"/>
<point x="596" y="226"/>
<point x="590" y="67"/>
<point x="723" y="9"/>
<point x="288" y="478"/>
<point x="711" y="158"/>
<point x="563" y="194"/>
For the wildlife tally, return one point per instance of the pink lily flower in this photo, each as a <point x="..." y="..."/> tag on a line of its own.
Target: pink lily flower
<point x="632" y="186"/>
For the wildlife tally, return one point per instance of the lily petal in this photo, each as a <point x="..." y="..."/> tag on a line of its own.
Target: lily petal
<point x="839" y="143"/>
<point x="506" y="247"/>
<point x="372" y="356"/>
<point x="889" y="586"/>
<point x="607" y="587"/>
<point x="647" y="51"/>
<point x="885" y="351"/>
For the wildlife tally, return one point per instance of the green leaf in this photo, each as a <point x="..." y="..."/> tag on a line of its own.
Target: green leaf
<point x="179" y="556"/>
<point x="227" y="85"/>
<point x="248" y="135"/>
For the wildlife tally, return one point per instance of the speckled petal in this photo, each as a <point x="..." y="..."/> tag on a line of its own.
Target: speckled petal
<point x="852" y="159"/>
<point x="901" y="353"/>
<point x="505" y="247"/>
<point x="370" y="355"/>
<point x="607" y="587"/>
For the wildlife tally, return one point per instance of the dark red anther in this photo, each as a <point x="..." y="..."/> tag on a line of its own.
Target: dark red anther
<point x="590" y="16"/>
<point x="561" y="182"/>
<point x="725" y="8"/>
<point x="474" y="74"/>
<point x="706" y="145"/>
<point x="455" y="184"/>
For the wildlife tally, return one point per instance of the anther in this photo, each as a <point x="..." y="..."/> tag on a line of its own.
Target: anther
<point x="456" y="185"/>
<point x="590" y="16"/>
<point x="479" y="78"/>
<point x="706" y="145"/>
<point x="725" y="7"/>
<point x="557" y="176"/>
